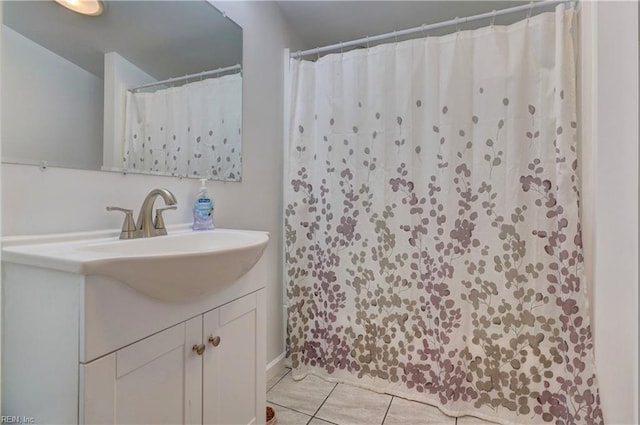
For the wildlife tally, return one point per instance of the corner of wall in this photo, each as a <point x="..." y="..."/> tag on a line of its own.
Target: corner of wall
<point x="610" y="159"/>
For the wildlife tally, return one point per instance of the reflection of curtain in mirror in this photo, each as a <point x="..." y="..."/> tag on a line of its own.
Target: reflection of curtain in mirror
<point x="191" y="130"/>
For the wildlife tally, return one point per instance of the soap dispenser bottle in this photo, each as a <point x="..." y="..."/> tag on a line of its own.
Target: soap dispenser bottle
<point x="203" y="209"/>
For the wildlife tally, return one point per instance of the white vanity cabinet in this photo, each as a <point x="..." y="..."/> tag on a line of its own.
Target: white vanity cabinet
<point x="157" y="381"/>
<point x="89" y="349"/>
<point x="204" y="370"/>
<point x="230" y="371"/>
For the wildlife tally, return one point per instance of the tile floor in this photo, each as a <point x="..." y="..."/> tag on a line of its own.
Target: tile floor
<point x="313" y="401"/>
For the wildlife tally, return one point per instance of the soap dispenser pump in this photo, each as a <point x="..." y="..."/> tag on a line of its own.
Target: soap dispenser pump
<point x="203" y="209"/>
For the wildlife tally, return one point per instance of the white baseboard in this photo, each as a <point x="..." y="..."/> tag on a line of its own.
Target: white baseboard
<point x="276" y="365"/>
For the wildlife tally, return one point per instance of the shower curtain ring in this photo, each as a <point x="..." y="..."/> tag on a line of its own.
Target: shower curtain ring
<point x="424" y="33"/>
<point x="457" y="27"/>
<point x="529" y="11"/>
<point x="493" y="17"/>
<point x="318" y="52"/>
<point x="367" y="38"/>
<point x="341" y="50"/>
<point x="395" y="35"/>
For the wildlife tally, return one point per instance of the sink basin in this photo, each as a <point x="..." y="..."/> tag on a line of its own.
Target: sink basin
<point x="180" y="267"/>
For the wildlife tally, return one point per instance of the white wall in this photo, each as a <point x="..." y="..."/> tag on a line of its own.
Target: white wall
<point x="119" y="74"/>
<point x="42" y="94"/>
<point x="60" y="200"/>
<point x="609" y="90"/>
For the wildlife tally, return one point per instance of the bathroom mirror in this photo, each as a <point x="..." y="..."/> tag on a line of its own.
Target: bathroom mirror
<point x="68" y="80"/>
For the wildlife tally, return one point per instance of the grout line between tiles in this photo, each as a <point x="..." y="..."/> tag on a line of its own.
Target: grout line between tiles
<point x="387" y="411"/>
<point x="324" y="401"/>
<point x="289" y="408"/>
<point x="278" y="381"/>
<point x="320" y="419"/>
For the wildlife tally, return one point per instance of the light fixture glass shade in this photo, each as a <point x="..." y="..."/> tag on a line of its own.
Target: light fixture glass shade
<point x="85" y="7"/>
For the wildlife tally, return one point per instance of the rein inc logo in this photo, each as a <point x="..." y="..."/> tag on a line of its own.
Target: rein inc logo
<point x="17" y="420"/>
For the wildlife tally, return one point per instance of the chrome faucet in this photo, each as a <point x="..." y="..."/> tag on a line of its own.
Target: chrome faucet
<point x="146" y="226"/>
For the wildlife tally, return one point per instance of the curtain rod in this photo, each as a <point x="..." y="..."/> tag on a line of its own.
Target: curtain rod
<point x="187" y="77"/>
<point x="422" y="28"/>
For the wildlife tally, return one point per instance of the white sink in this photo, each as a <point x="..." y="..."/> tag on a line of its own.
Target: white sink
<point x="181" y="266"/>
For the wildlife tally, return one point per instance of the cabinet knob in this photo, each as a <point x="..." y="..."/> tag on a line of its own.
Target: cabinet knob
<point x="199" y="348"/>
<point x="214" y="340"/>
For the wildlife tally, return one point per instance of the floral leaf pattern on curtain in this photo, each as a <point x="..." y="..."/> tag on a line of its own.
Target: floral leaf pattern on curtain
<point x="433" y="240"/>
<point x="194" y="130"/>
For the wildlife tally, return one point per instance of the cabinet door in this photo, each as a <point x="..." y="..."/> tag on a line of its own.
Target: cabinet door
<point x="233" y="366"/>
<point x="155" y="381"/>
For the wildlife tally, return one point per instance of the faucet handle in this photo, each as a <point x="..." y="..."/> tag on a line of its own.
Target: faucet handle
<point x="129" y="230"/>
<point x="158" y="222"/>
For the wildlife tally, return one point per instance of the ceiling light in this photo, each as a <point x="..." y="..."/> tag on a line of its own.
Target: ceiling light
<point x="85" y="7"/>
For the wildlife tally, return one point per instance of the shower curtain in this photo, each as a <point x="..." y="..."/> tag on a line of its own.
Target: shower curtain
<point x="192" y="130"/>
<point x="432" y="234"/>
